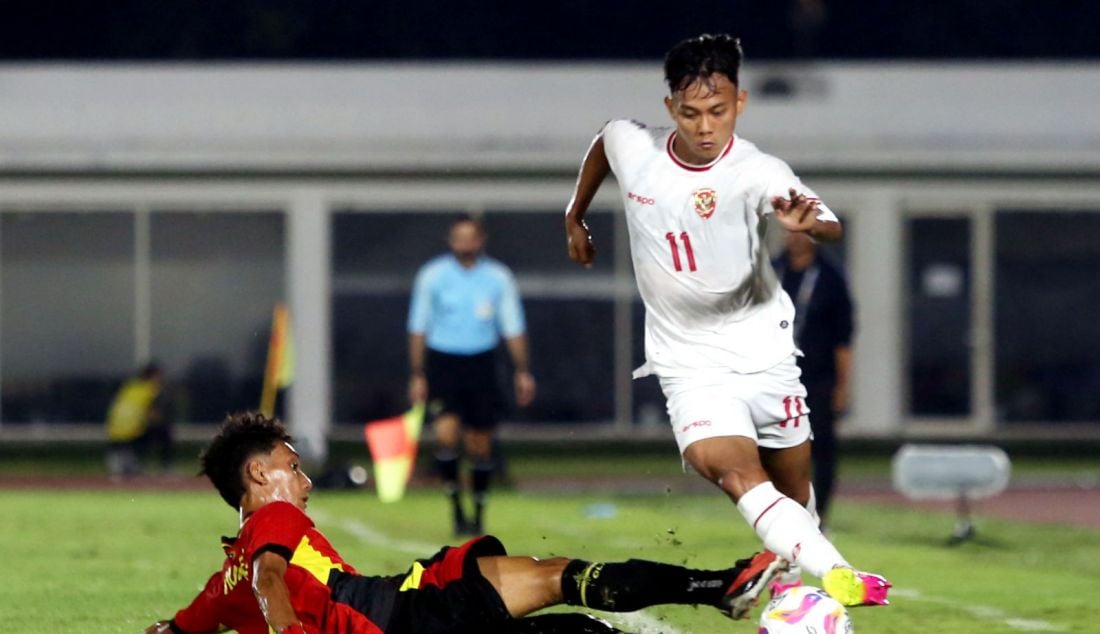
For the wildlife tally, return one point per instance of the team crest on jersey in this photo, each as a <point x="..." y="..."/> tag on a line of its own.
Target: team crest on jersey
<point x="706" y="201"/>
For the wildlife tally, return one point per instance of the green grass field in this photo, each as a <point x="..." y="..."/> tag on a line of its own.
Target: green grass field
<point x="116" y="561"/>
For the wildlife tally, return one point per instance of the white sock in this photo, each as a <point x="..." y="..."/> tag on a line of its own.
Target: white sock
<point x="788" y="529"/>
<point x="794" y="571"/>
<point x="811" y="507"/>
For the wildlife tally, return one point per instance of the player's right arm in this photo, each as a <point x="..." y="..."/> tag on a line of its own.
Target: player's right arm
<point x="418" y="383"/>
<point x="594" y="169"/>
<point x="272" y="595"/>
<point x="419" y="315"/>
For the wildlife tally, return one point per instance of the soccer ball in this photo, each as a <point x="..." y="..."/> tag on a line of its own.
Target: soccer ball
<point x="804" y="610"/>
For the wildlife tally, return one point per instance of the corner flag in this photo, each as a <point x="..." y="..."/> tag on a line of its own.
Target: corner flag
<point x="393" y="443"/>
<point x="279" y="372"/>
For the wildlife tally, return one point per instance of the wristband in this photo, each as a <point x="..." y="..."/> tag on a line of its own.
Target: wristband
<point x="294" y="628"/>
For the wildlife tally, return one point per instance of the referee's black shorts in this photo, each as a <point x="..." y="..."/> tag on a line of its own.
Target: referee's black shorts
<point x="445" y="594"/>
<point x="466" y="386"/>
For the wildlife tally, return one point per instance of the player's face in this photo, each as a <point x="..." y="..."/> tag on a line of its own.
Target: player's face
<point x="705" y="113"/>
<point x="286" y="479"/>
<point x="466" y="241"/>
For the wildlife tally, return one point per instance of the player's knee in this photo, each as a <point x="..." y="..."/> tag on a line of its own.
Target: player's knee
<point x="737" y="481"/>
<point x="550" y="574"/>
<point x="793" y="486"/>
<point x="553" y="566"/>
<point x="477" y="442"/>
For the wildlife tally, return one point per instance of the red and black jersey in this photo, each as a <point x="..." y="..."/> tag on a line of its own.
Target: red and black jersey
<point x="439" y="595"/>
<point x="227" y="601"/>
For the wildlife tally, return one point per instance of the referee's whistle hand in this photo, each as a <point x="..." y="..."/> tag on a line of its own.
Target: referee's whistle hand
<point x="525" y="388"/>
<point x="418" y="389"/>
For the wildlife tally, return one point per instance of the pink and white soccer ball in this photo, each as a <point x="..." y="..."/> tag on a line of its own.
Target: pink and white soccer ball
<point x="804" y="610"/>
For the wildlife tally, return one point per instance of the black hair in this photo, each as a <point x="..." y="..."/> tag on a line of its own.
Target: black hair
<point x="150" y="370"/>
<point x="700" y="57"/>
<point x="475" y="219"/>
<point x="242" y="435"/>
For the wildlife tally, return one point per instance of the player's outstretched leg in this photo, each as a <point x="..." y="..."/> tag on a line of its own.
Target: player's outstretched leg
<point x="852" y="587"/>
<point x="636" y="584"/>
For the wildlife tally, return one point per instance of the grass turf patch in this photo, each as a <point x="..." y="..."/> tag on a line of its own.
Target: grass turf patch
<point x="117" y="561"/>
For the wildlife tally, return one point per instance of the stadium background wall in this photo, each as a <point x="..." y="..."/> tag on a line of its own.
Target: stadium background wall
<point x="160" y="210"/>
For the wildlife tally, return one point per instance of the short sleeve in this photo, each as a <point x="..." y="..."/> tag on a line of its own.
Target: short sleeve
<point x="780" y="180"/>
<point x="510" y="314"/>
<point x="278" y="526"/>
<point x="612" y="134"/>
<point x="616" y="141"/>
<point x="420" y="306"/>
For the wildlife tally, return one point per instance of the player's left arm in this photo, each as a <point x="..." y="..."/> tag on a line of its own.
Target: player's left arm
<point x="512" y="324"/>
<point x="272" y="595"/>
<point x="802" y="213"/>
<point x="524" y="381"/>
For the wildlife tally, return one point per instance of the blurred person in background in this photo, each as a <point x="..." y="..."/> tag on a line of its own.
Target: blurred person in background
<point x="136" y="420"/>
<point x="281" y="574"/>
<point x="823" y="328"/>
<point x="718" y="327"/>
<point x="463" y="303"/>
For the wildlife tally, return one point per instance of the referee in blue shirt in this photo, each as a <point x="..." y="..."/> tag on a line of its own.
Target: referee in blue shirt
<point x="463" y="304"/>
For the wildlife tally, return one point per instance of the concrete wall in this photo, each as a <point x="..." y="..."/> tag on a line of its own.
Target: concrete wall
<point x="495" y="116"/>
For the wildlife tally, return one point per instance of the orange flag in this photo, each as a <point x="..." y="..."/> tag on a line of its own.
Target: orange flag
<point x="279" y="372"/>
<point x="393" y="443"/>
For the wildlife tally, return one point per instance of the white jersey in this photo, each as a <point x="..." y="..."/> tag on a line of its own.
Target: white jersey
<point x="713" y="302"/>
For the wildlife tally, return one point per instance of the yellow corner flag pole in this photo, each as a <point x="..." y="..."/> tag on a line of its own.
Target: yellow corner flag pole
<point x="279" y="371"/>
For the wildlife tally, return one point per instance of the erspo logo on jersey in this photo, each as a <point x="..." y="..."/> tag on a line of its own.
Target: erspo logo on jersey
<point x="698" y="423"/>
<point x="638" y="198"/>
<point x="706" y="201"/>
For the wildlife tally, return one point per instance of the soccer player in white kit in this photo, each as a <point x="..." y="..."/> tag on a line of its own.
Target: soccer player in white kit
<point x="718" y="330"/>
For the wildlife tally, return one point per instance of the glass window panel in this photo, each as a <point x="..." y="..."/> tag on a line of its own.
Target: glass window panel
<point x="67" y="284"/>
<point x="535" y="243"/>
<point x="1046" y="335"/>
<point x="386" y="244"/>
<point x="375" y="258"/>
<point x="394" y="245"/>
<point x="572" y="358"/>
<point x="215" y="279"/>
<point x="369" y="355"/>
<point x="371" y="363"/>
<point x="939" y="316"/>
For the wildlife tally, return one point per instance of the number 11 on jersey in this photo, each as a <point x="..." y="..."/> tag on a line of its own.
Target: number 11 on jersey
<point x="671" y="237"/>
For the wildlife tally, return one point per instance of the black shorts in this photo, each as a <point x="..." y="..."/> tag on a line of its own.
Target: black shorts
<point x="445" y="594"/>
<point x="466" y="386"/>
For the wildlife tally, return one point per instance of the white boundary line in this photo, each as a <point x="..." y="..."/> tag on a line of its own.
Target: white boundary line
<point x="374" y="537"/>
<point x="982" y="612"/>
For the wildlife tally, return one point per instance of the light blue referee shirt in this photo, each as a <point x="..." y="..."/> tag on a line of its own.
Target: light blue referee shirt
<point x="465" y="311"/>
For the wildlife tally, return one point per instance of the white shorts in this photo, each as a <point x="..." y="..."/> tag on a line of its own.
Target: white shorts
<point x="769" y="406"/>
